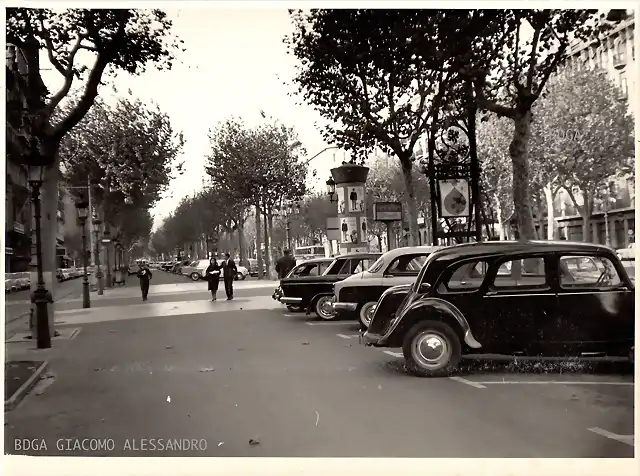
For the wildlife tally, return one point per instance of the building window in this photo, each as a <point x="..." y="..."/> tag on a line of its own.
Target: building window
<point x="623" y="83"/>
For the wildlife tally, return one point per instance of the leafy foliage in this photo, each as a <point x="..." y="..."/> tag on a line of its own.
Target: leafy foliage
<point x="120" y="39"/>
<point x="129" y="149"/>
<point x="590" y="135"/>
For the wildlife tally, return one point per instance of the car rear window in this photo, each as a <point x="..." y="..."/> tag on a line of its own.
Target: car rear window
<point x="588" y="271"/>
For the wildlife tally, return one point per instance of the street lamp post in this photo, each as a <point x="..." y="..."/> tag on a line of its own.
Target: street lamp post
<point x="96" y="231"/>
<point x="82" y="206"/>
<point x="331" y="190"/>
<point x="106" y="241"/>
<point x="40" y="297"/>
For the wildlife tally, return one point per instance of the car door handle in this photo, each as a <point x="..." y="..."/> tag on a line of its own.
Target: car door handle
<point x="491" y="293"/>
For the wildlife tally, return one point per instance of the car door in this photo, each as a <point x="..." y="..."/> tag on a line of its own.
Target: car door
<point x="595" y="306"/>
<point x="518" y="306"/>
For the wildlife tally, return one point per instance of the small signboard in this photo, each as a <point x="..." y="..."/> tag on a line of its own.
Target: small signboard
<point x="454" y="198"/>
<point x="387" y="211"/>
<point x="333" y="229"/>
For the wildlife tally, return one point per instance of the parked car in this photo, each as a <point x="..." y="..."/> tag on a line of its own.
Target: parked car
<point x="9" y="287"/>
<point x="511" y="298"/>
<point x="133" y="269"/>
<point x="356" y="296"/>
<point x="196" y="270"/>
<point x="253" y="267"/>
<point x="311" y="291"/>
<point x="22" y="280"/>
<point x="313" y="267"/>
<point x="168" y="266"/>
<point x="178" y="267"/>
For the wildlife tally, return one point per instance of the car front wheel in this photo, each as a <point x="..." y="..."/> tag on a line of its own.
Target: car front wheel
<point x="240" y="277"/>
<point x="195" y="276"/>
<point x="431" y="349"/>
<point x="323" y="308"/>
<point x="366" y="314"/>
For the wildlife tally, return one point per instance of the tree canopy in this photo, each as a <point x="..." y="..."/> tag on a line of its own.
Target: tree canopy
<point x="119" y="39"/>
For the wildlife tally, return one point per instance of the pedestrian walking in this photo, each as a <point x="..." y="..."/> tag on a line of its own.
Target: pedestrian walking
<point x="145" y="276"/>
<point x="285" y="264"/>
<point x="213" y="278"/>
<point x="229" y="272"/>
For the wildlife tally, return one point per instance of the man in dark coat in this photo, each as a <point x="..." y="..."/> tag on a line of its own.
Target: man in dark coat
<point x="229" y="273"/>
<point x="285" y="264"/>
<point x="145" y="276"/>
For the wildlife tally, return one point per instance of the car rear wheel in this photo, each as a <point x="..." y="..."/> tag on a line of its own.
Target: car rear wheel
<point x="366" y="314"/>
<point x="323" y="308"/>
<point x="431" y="349"/>
<point x="240" y="277"/>
<point x="194" y="276"/>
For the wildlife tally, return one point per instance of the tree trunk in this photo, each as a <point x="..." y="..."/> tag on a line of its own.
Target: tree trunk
<point x="267" y="242"/>
<point x="519" y="153"/>
<point x="551" y="223"/>
<point x="585" y="212"/>
<point x="271" y="256"/>
<point x="412" y="209"/>
<point x="259" y="241"/>
<point x="379" y="237"/>
<point x="499" y="220"/>
<point x="241" y="241"/>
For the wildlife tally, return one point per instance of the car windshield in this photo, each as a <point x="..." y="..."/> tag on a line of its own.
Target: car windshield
<point x="377" y="266"/>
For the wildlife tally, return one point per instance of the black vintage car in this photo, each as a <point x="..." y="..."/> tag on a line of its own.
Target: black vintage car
<point x="314" y="291"/>
<point x="533" y="298"/>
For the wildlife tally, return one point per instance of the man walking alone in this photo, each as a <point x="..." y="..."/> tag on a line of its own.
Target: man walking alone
<point x="285" y="264"/>
<point x="229" y="272"/>
<point x="145" y="276"/>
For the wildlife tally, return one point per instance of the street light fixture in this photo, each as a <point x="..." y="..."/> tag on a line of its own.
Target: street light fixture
<point x="82" y="207"/>
<point x="40" y="297"/>
<point x="96" y="231"/>
<point x="331" y="190"/>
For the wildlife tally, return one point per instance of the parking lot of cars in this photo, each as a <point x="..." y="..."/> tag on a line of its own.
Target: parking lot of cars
<point x="193" y="270"/>
<point x="18" y="281"/>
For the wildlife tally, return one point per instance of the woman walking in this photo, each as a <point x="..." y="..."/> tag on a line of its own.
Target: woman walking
<point x="213" y="277"/>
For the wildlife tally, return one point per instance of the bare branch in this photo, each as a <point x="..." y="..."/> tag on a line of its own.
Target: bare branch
<point x="532" y="60"/>
<point x="50" y="48"/>
<point x="67" y="73"/>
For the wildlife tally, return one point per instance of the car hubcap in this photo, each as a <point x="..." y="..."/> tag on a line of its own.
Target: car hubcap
<point x="431" y="349"/>
<point x="325" y="311"/>
<point x="367" y="313"/>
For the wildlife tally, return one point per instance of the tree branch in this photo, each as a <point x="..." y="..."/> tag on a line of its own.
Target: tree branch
<point x="552" y="67"/>
<point x="532" y="60"/>
<point x="50" y="48"/>
<point x="67" y="73"/>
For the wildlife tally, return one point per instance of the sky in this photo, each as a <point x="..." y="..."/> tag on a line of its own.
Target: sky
<point x="235" y="64"/>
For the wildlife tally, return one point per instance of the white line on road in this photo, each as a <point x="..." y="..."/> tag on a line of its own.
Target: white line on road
<point x="343" y="336"/>
<point x="467" y="382"/>
<point x="626" y="439"/>
<point x="329" y="323"/>
<point x="392" y="353"/>
<point x="554" y="382"/>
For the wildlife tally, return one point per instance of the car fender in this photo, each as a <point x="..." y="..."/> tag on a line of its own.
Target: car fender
<point x="441" y="307"/>
<point x="314" y="299"/>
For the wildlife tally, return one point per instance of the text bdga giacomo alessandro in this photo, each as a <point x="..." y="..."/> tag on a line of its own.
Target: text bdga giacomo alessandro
<point x="109" y="444"/>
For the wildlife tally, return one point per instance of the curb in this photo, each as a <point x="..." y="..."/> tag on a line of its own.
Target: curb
<point x="17" y="397"/>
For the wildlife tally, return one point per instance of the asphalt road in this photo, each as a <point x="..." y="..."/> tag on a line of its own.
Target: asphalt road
<point x="268" y="383"/>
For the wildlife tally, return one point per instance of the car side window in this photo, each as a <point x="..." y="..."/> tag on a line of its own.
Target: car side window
<point x="521" y="273"/>
<point x="308" y="270"/>
<point x="407" y="265"/>
<point x="358" y="266"/>
<point x="588" y="271"/>
<point x="464" y="277"/>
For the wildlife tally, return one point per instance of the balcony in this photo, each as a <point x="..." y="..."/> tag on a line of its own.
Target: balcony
<point x="619" y="61"/>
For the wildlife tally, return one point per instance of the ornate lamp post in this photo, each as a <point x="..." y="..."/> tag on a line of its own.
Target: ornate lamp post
<point x="331" y="190"/>
<point x="40" y="297"/>
<point x="289" y="209"/>
<point x="96" y="232"/>
<point x="82" y="206"/>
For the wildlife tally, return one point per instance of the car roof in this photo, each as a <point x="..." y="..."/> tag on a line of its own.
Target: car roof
<point x="358" y="255"/>
<point x="486" y="248"/>
<point x="315" y="260"/>
<point x="406" y="250"/>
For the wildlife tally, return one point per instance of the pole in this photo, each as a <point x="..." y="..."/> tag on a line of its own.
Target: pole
<point x="288" y="230"/>
<point x="86" y="302"/>
<point x="474" y="165"/>
<point x="97" y="257"/>
<point x="389" y="237"/>
<point x="607" y="239"/>
<point x="107" y="249"/>
<point x="40" y="295"/>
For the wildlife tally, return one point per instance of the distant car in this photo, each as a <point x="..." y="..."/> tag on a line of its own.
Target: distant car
<point x="133" y="269"/>
<point x="531" y="298"/>
<point x="356" y="296"/>
<point x="242" y="273"/>
<point x="306" y="290"/>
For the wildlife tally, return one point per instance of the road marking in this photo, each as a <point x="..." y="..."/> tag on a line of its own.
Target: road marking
<point x="467" y="382"/>
<point x="626" y="439"/>
<point x="290" y="315"/>
<point x="343" y="336"/>
<point x="392" y="353"/>
<point x="329" y="323"/>
<point x="553" y="382"/>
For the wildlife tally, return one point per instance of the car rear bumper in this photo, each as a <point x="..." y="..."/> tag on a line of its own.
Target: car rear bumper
<point x="344" y="306"/>
<point x="290" y="300"/>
